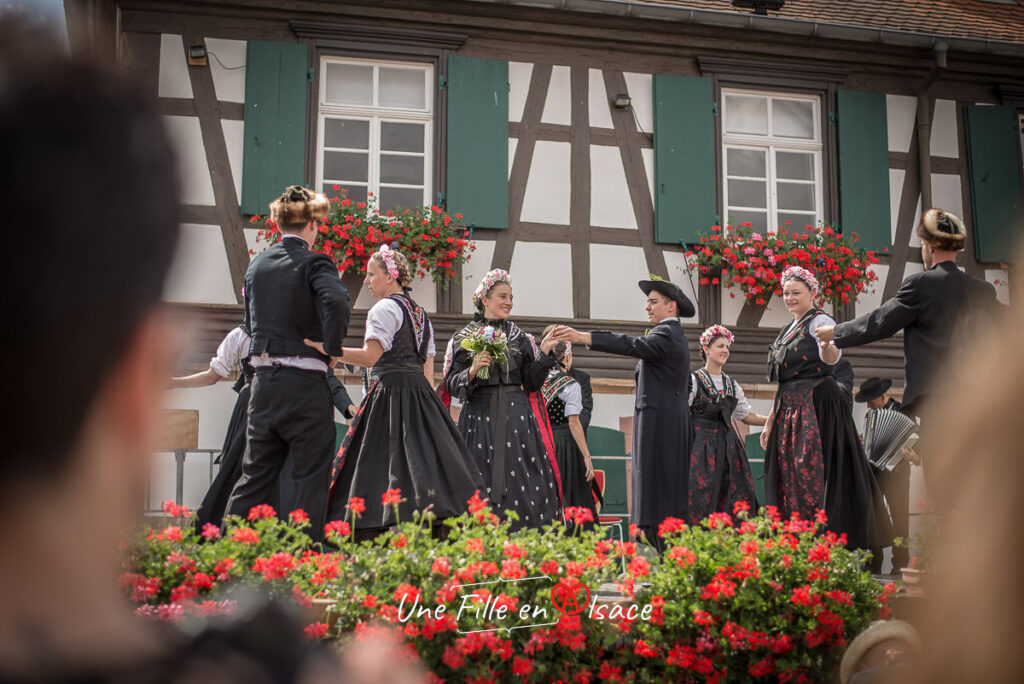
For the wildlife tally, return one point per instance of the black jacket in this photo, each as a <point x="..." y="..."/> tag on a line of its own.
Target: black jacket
<point x="662" y="434"/>
<point x="292" y="293"/>
<point x="927" y="308"/>
<point x="588" y="395"/>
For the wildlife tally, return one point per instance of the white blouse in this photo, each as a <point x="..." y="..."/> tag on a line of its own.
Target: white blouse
<point x="383" y="321"/>
<point x="572" y="395"/>
<point x="817" y="322"/>
<point x="232" y="349"/>
<point x="742" y="405"/>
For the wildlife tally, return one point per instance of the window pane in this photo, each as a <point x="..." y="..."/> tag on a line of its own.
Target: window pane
<point x="793" y="119"/>
<point x="745" y="162"/>
<point x="402" y="88"/>
<point x="794" y="196"/>
<point x="346" y="166"/>
<point x="794" y="165"/>
<point x="796" y="221"/>
<point x="401" y="137"/>
<point x="408" y="198"/>
<point x="401" y="169"/>
<point x="347" y="133"/>
<point x="758" y="220"/>
<point x="744" y="193"/>
<point x="746" y="114"/>
<point x="349" y="84"/>
<point x="356" y="193"/>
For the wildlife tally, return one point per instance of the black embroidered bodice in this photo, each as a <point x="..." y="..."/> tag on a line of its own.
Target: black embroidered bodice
<point x="710" y="403"/>
<point x="409" y="346"/>
<point x="794" y="355"/>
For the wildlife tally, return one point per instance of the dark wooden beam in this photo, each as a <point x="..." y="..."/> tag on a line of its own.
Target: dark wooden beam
<point x="579" y="191"/>
<point x="636" y="176"/>
<point x="598" y="136"/>
<point x="905" y="218"/>
<point x="532" y="111"/>
<point x="140" y="60"/>
<point x="227" y="209"/>
<point x="193" y="213"/>
<point x="93" y="29"/>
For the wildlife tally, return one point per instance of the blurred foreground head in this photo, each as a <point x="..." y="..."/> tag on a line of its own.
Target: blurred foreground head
<point x="91" y="225"/>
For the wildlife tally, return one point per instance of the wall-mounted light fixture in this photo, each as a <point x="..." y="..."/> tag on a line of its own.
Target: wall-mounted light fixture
<point x="197" y="55"/>
<point x="621" y="101"/>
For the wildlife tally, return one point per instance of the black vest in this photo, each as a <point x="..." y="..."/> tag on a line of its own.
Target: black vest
<point x="281" y="307"/>
<point x="799" y="349"/>
<point x="409" y="347"/>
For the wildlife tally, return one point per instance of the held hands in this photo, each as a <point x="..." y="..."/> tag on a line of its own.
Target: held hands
<point x="825" y="333"/>
<point x="548" y="343"/>
<point x="564" y="333"/>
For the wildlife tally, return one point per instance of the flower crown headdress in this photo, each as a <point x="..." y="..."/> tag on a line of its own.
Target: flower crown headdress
<point x="715" y="331"/>
<point x="492" y="278"/>
<point x="802" y="274"/>
<point x="387" y="255"/>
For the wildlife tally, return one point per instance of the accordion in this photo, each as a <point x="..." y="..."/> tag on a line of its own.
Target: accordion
<point x="886" y="432"/>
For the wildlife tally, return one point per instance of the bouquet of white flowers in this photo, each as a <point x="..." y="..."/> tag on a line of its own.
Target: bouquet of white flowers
<point x="487" y="338"/>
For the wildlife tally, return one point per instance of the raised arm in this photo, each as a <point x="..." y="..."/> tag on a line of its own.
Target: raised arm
<point x="885" y="321"/>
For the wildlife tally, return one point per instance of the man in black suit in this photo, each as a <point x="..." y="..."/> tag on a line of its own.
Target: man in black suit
<point x="291" y="294"/>
<point x="927" y="308"/>
<point x="895" y="484"/>
<point x="662" y="434"/>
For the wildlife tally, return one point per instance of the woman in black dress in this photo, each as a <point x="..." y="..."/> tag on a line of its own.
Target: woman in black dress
<point x="502" y="424"/>
<point x="401" y="437"/>
<point x="719" y="472"/>
<point x="813" y="457"/>
<point x="563" y="397"/>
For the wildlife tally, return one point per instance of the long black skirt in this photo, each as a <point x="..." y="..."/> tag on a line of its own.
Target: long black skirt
<point x="719" y="472"/>
<point x="402" y="437"/>
<point x="815" y="460"/>
<point x="503" y="435"/>
<point x="577" y="490"/>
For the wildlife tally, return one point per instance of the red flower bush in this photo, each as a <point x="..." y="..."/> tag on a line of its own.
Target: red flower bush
<point x="435" y="241"/>
<point x="740" y="257"/>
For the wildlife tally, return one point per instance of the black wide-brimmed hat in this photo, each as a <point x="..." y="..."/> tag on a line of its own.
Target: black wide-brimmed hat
<point x="872" y="388"/>
<point x="670" y="290"/>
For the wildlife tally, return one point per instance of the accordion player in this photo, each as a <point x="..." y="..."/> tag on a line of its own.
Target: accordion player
<point x="886" y="432"/>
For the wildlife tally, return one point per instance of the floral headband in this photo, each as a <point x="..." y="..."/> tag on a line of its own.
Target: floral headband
<point x="387" y="255"/>
<point x="715" y="331"/>
<point x="802" y="274"/>
<point x="492" y="278"/>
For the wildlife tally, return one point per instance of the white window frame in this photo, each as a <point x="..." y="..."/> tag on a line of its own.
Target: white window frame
<point x="771" y="144"/>
<point x="376" y="115"/>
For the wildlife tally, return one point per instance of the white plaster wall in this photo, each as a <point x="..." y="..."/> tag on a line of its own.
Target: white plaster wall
<point x="615" y="271"/>
<point x="641" y="91"/>
<point x="229" y="83"/>
<point x="608" y="408"/>
<point x="911" y="268"/>
<point x="542" y="279"/>
<point x="732" y="304"/>
<point x="173" y="80"/>
<point x="513" y="143"/>
<point x="599" y="102"/>
<point x="946" y="193"/>
<point x="776" y="314"/>
<point x="871" y="299"/>
<point x="423" y="293"/>
<point x="944" y="141"/>
<point x="518" y="84"/>
<point x="251" y="241"/>
<point x="547" y="189"/>
<point x="200" y="271"/>
<point x="914" y="241"/>
<point x="557" y="105"/>
<point x="896" y="180"/>
<point x="901" y="115"/>
<point x="187" y="140"/>
<point x="677" y="273"/>
<point x="648" y="157"/>
<point x="473" y="272"/>
<point x="234" y="138"/>
<point x="998" y="278"/>
<point x="610" y="204"/>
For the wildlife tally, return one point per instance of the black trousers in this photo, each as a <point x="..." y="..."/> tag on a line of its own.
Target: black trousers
<point x="291" y="418"/>
<point x="895" y="487"/>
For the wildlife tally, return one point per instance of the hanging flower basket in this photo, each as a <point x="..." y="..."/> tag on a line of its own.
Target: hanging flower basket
<point x="737" y="256"/>
<point x="435" y="241"/>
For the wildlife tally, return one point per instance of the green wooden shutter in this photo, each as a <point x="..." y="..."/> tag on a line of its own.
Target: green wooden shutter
<point x="478" y="141"/>
<point x="993" y="155"/>
<point x="864" y="168"/>
<point x="274" y="153"/>
<point x="684" y="158"/>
